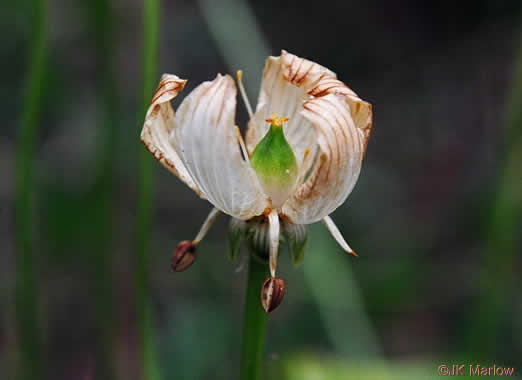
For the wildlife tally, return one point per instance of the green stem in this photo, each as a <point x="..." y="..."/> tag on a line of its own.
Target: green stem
<point x="30" y="363"/>
<point x="498" y="276"/>
<point x="102" y="21"/>
<point x="144" y="196"/>
<point x="254" y="324"/>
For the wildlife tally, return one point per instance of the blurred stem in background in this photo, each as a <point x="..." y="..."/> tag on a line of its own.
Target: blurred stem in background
<point x="101" y="21"/>
<point x="339" y="300"/>
<point x="254" y="323"/>
<point x="147" y="356"/>
<point x="27" y="310"/>
<point x="239" y="38"/>
<point x="503" y="237"/>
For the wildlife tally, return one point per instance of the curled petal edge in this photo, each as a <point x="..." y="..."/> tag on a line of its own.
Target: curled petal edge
<point x="318" y="81"/>
<point x="159" y="122"/>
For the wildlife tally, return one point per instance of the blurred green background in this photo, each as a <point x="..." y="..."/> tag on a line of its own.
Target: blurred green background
<point x="89" y="221"/>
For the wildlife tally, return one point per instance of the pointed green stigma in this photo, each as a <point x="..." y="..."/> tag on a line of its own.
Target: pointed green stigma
<point x="275" y="163"/>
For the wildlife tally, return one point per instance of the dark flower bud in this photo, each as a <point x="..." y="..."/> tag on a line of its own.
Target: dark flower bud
<point x="183" y="256"/>
<point x="272" y="293"/>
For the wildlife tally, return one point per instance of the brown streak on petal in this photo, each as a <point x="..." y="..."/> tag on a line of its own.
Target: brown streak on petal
<point x="307" y="191"/>
<point x="292" y="80"/>
<point x="158" y="155"/>
<point x="287" y="75"/>
<point x="329" y="85"/>
<point x="175" y="86"/>
<point x="283" y="216"/>
<point x="300" y="81"/>
<point x="155" y="110"/>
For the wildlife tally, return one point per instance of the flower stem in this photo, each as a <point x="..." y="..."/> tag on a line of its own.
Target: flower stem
<point x="102" y="28"/>
<point x="27" y="309"/>
<point x="148" y="357"/>
<point x="498" y="278"/>
<point x="254" y="324"/>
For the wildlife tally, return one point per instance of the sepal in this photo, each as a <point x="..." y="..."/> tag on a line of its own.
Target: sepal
<point x="236" y="233"/>
<point x="258" y="238"/>
<point x="297" y="237"/>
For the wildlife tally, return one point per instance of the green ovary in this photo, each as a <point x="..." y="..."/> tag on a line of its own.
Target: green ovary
<point x="275" y="165"/>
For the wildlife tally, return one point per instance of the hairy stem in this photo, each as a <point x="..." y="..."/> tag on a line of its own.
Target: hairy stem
<point x="254" y="324"/>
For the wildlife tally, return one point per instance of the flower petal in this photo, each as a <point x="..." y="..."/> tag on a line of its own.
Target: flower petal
<point x="337" y="235"/>
<point x="206" y="140"/>
<point x="360" y="110"/>
<point x="286" y="81"/>
<point x="159" y="122"/>
<point x="339" y="161"/>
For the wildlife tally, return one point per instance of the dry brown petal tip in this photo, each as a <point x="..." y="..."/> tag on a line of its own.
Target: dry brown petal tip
<point x="183" y="256"/>
<point x="272" y="293"/>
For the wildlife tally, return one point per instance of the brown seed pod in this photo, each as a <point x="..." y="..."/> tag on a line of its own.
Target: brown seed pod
<point x="272" y="293"/>
<point x="183" y="256"/>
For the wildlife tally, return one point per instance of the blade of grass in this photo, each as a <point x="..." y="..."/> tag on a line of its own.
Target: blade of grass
<point x="150" y="368"/>
<point x="235" y="29"/>
<point x="338" y="300"/>
<point x="27" y="310"/>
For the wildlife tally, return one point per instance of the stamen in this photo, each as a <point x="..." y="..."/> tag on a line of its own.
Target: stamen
<point x="242" y="145"/>
<point x="329" y="223"/>
<point x="243" y="93"/>
<point x="211" y="218"/>
<point x="273" y="220"/>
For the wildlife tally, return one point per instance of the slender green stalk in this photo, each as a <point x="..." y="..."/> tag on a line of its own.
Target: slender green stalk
<point x="144" y="201"/>
<point x="30" y="344"/>
<point x="101" y="23"/>
<point x="498" y="277"/>
<point x="254" y="324"/>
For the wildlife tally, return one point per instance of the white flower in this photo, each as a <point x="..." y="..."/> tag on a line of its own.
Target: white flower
<point x="328" y="129"/>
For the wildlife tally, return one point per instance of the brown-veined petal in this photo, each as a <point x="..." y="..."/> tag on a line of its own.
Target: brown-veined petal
<point x="205" y="138"/>
<point x="159" y="122"/>
<point x="286" y="81"/>
<point x="360" y="110"/>
<point x="341" y="150"/>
